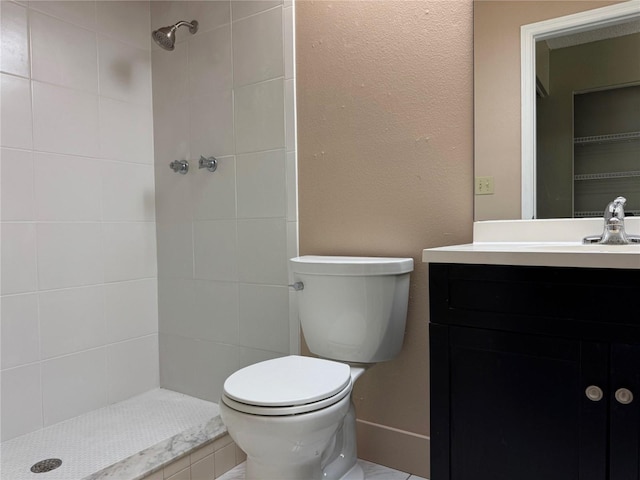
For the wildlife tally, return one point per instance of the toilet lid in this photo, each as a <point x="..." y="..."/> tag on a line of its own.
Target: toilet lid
<point x="288" y="381"/>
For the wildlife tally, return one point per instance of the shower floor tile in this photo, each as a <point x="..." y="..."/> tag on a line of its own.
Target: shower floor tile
<point x="154" y="427"/>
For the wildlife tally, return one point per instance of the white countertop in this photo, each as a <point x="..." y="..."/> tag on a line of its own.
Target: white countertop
<point x="556" y="242"/>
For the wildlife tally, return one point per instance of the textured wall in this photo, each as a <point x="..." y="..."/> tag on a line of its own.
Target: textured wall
<point x="384" y="96"/>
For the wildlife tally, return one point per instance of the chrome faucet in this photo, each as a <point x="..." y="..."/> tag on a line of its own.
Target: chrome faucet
<point x="614" y="233"/>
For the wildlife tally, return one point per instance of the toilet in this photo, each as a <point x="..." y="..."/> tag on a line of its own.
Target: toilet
<point x="293" y="416"/>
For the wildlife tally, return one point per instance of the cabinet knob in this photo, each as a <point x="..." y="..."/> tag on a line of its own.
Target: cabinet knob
<point x="624" y="396"/>
<point x="594" y="393"/>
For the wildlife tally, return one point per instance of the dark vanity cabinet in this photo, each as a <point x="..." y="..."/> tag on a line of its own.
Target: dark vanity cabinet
<point x="535" y="373"/>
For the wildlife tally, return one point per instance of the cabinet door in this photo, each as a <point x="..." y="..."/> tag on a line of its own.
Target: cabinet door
<point x="517" y="408"/>
<point x="625" y="412"/>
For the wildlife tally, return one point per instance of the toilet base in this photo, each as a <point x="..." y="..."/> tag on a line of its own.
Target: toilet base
<point x="356" y="473"/>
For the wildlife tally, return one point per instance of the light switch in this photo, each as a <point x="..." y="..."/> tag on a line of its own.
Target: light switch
<point x="484" y="186"/>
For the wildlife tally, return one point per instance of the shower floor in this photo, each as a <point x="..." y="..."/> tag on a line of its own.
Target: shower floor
<point x="123" y="440"/>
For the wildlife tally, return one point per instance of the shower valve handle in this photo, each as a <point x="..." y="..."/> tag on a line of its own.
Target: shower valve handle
<point x="180" y="166"/>
<point x="209" y="163"/>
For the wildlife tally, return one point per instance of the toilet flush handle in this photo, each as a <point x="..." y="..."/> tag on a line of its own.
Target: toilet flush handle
<point x="297" y="286"/>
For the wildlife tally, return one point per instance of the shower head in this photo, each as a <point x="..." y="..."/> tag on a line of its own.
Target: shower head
<point x="166" y="36"/>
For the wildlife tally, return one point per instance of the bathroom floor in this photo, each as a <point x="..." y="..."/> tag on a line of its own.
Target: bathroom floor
<point x="371" y="472"/>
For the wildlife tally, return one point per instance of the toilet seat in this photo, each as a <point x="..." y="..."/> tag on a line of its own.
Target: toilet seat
<point x="287" y="386"/>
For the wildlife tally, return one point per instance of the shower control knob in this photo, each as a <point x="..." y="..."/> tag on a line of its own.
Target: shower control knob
<point x="180" y="166"/>
<point x="594" y="393"/>
<point x="209" y="163"/>
<point x="624" y="396"/>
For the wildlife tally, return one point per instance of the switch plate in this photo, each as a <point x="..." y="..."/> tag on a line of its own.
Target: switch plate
<point x="484" y="186"/>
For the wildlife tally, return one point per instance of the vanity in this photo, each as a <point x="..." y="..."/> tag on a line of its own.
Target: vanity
<point x="535" y="354"/>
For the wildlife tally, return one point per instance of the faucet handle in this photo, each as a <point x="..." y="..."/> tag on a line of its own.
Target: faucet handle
<point x="210" y="163"/>
<point x="179" y="166"/>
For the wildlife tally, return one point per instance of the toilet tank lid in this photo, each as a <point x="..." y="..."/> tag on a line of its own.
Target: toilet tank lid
<point x="288" y="381"/>
<point x="321" y="265"/>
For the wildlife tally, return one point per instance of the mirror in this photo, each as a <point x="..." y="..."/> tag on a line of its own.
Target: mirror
<point x="505" y="94"/>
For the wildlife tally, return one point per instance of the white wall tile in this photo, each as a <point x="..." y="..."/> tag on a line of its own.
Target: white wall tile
<point x="131" y="309"/>
<point x="63" y="53"/>
<point x="16" y="185"/>
<point x="67" y="188"/>
<point x="14" y="39"/>
<point x="132" y="367"/>
<point x="184" y="474"/>
<point x="176" y="303"/>
<point x="262" y="251"/>
<point x="294" y="322"/>
<point x="20" y="336"/>
<point x="125" y="71"/>
<point x="203" y="469"/>
<point x="199" y="320"/>
<point x="249" y="356"/>
<point x="126" y="21"/>
<point x="216" y="311"/>
<point x="171" y="133"/>
<point x="264" y="317"/>
<point x="224" y="459"/>
<point x="78" y="13"/>
<point x="244" y="8"/>
<point x="210" y="14"/>
<point x="292" y="187"/>
<point x="18" y="261"/>
<point x="258" y="48"/>
<point x="73" y="385"/>
<point x="213" y="195"/>
<point x="215" y="250"/>
<point x="210" y="62"/>
<point x="167" y="86"/>
<point x="15" y="112"/>
<point x="259" y="117"/>
<point x="21" y="401"/>
<point x="128" y="192"/>
<point x="292" y="241"/>
<point x="69" y="255"/>
<point x="126" y="131"/>
<point x="290" y="114"/>
<point x="261" y="181"/>
<point x="211" y="125"/>
<point x="129" y="251"/>
<point x="175" y="249"/>
<point x="64" y="120"/>
<point x="71" y="320"/>
<point x="289" y="40"/>
<point x="173" y="196"/>
<point x="196" y="367"/>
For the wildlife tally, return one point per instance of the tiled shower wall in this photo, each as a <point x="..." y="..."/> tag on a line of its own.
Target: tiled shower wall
<point x="79" y="287"/>
<point x="224" y="237"/>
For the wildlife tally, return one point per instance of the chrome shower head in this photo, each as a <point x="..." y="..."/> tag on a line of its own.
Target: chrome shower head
<point x="166" y="36"/>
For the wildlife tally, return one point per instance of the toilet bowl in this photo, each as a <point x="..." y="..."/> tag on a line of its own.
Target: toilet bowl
<point x="285" y="414"/>
<point x="293" y="416"/>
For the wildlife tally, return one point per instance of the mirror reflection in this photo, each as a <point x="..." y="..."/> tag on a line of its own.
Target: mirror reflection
<point x="499" y="100"/>
<point x="588" y="121"/>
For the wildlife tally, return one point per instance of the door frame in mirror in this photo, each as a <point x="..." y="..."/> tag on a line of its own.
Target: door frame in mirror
<point x="529" y="35"/>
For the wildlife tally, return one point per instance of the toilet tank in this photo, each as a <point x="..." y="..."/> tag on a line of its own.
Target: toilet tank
<point x="353" y="309"/>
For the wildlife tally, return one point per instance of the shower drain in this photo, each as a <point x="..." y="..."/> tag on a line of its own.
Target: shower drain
<point x="47" y="465"/>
